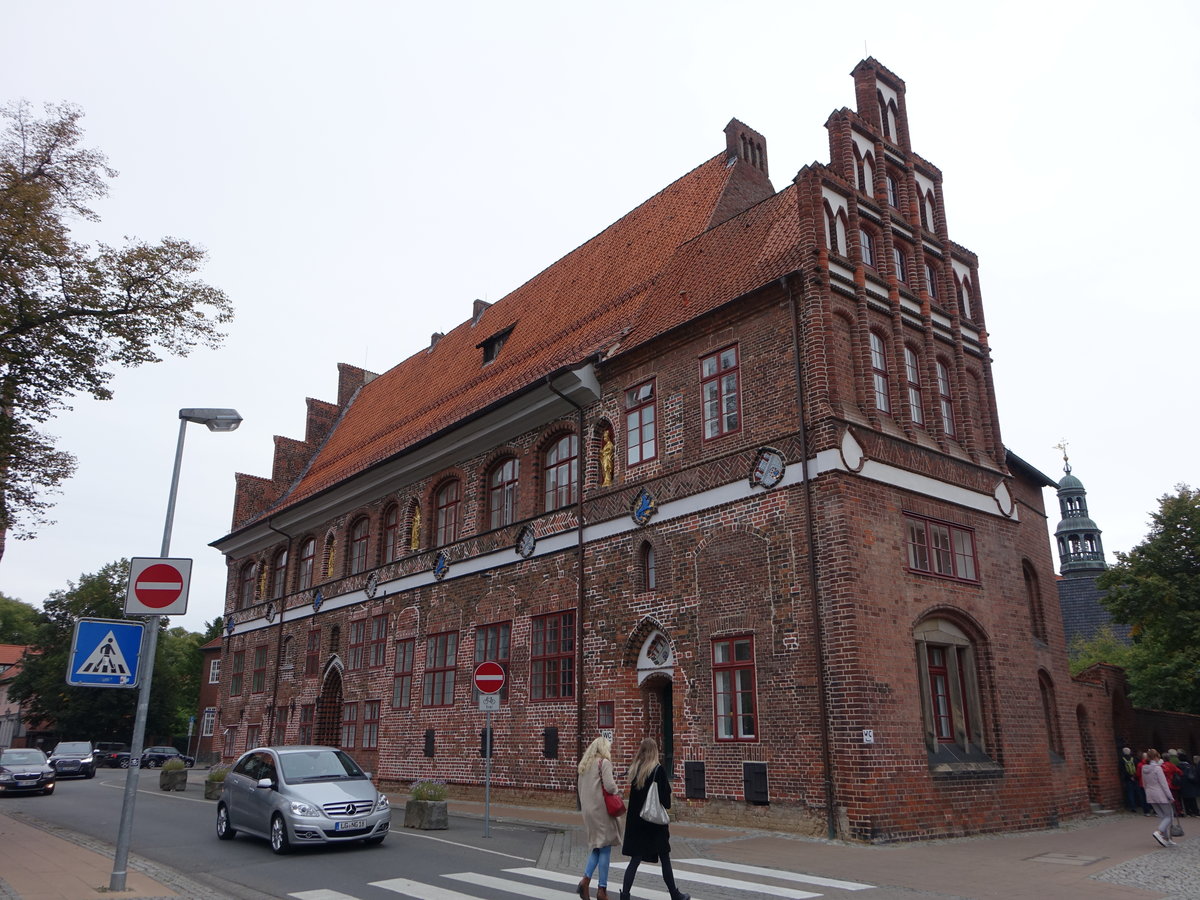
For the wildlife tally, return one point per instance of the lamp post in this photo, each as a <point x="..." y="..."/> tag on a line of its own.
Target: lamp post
<point x="215" y="420"/>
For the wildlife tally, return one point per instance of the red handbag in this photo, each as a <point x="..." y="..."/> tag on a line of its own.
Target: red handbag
<point x="612" y="802"/>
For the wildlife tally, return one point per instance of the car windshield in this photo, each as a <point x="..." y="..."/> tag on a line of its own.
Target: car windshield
<point x="20" y="757"/>
<point x="318" y="765"/>
<point x="73" y="748"/>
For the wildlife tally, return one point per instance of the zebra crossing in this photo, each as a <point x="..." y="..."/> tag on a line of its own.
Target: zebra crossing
<point x="543" y="884"/>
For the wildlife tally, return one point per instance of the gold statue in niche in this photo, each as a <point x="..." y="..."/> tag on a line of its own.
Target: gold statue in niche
<point x="330" y="556"/>
<point x="414" y="540"/>
<point x="607" y="450"/>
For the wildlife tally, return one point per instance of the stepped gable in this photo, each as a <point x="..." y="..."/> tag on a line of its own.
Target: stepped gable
<point x="570" y="312"/>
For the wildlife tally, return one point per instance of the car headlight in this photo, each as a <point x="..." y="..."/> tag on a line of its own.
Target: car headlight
<point x="300" y="808"/>
<point x="382" y="803"/>
<point x="6" y="776"/>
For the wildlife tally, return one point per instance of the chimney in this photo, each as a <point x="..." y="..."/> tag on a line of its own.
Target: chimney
<point x="477" y="310"/>
<point x="744" y="143"/>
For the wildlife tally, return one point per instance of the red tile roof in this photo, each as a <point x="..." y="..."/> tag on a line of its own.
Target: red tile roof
<point x="624" y="281"/>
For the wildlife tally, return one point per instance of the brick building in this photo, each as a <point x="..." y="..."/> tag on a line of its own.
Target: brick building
<point x="729" y="474"/>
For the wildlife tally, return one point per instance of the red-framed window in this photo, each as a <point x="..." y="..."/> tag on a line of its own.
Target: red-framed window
<point x="370" y="731"/>
<point x="258" y="682"/>
<point x="280" y="725"/>
<point x="560" y="472"/>
<point x="360" y="539"/>
<point x="734" y="706"/>
<point x="640" y="436"/>
<point x="939" y="548"/>
<point x="308" y="720"/>
<point x="356" y="645"/>
<point x="552" y="656"/>
<point x="441" y="658"/>
<point x="939" y="692"/>
<point x="912" y="373"/>
<point x="879" y="372"/>
<point x="308" y="552"/>
<point x="403" y="673"/>
<point x="448" y="502"/>
<point x="246" y="586"/>
<point x="377" y="641"/>
<point x="720" y="378"/>
<point x="349" y="725"/>
<point x="279" y="574"/>
<point x="312" y="653"/>
<point x="492" y="645"/>
<point x="253" y="736"/>
<point x="606" y="714"/>
<point x="502" y="493"/>
<point x="945" y="399"/>
<point x="235" y="673"/>
<point x="391" y="533"/>
<point x="229" y="741"/>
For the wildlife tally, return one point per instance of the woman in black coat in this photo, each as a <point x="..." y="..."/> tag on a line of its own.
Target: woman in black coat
<point x="645" y="840"/>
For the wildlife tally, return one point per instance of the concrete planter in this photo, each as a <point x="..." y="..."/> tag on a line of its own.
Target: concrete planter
<point x="428" y="815"/>
<point x="212" y="790"/>
<point x="173" y="780"/>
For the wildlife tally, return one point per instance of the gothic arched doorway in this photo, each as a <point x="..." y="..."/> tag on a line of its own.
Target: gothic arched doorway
<point x="656" y="669"/>
<point x="329" y="708"/>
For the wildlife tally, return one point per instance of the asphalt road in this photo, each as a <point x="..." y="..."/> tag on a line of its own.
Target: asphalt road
<point x="176" y="829"/>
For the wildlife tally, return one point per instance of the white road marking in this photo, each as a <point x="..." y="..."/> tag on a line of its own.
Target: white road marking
<point x="715" y="881"/>
<point x="322" y="895"/>
<point x="614" y="885"/>
<point x="776" y="873"/>
<point x="422" y="891"/>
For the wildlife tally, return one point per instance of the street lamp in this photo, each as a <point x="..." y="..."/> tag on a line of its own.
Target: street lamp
<point x="215" y="420"/>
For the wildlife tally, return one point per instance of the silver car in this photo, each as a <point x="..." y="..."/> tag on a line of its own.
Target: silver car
<point x="301" y="795"/>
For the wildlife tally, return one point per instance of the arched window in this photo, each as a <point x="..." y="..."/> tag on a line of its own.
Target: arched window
<point x="1033" y="598"/>
<point x="448" y="502"/>
<point x="879" y="372"/>
<point x="649" y="571"/>
<point x="308" y="553"/>
<point x="360" y="536"/>
<point x="927" y="220"/>
<point x="502" y="493"/>
<point x="900" y="263"/>
<point x="964" y="297"/>
<point x="391" y="532"/>
<point x="950" y="695"/>
<point x="931" y="280"/>
<point x="560" y="470"/>
<point x="945" y="399"/>
<point x="246" y="586"/>
<point x="912" y="372"/>
<point x="835" y="229"/>
<point x="279" y="573"/>
<point x="893" y="191"/>
<point x="866" y="246"/>
<point x="1050" y="714"/>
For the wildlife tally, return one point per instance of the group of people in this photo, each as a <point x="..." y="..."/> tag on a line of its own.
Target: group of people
<point x="1167" y="786"/>
<point x="639" y="839"/>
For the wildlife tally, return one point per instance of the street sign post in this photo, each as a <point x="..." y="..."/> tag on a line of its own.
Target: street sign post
<point x="158" y="587"/>
<point x="105" y="653"/>
<point x="489" y="679"/>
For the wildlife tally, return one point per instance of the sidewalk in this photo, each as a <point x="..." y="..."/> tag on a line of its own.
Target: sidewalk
<point x="1109" y="857"/>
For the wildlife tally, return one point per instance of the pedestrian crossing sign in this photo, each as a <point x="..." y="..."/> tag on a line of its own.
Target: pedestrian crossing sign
<point x="105" y="653"/>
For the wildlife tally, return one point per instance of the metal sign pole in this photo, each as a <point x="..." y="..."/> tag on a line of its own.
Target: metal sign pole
<point x="487" y="778"/>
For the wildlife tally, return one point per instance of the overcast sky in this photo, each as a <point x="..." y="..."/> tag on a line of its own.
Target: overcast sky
<point x="360" y="172"/>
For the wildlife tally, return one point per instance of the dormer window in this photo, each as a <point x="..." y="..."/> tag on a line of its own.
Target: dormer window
<point x="491" y="347"/>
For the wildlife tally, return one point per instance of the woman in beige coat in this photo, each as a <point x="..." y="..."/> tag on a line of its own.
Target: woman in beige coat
<point x="603" y="830"/>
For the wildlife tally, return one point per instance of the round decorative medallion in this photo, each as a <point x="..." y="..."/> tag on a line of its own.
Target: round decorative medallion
<point x="372" y="586"/>
<point x="271" y="611"/>
<point x="643" y="507"/>
<point x="526" y="542"/>
<point x="441" y="566"/>
<point x="317" y="601"/>
<point x="768" y="468"/>
<point x="230" y="624"/>
<point x="659" y="651"/>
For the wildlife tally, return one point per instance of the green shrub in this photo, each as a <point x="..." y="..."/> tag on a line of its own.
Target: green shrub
<point x="217" y="773"/>
<point x="429" y="790"/>
<point x="173" y="765"/>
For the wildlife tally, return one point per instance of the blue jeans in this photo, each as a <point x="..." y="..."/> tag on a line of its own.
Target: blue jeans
<point x="598" y="857"/>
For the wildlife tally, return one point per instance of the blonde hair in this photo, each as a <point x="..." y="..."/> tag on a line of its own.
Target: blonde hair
<point x="1152" y="754"/>
<point x="644" y="762"/>
<point x="598" y="749"/>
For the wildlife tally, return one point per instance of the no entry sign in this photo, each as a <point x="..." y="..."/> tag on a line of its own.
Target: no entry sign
<point x="489" y="677"/>
<point x="158" y="587"/>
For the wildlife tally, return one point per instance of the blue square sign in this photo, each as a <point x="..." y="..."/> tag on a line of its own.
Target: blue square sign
<point x="105" y="653"/>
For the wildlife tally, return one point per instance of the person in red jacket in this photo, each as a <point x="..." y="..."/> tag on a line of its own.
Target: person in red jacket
<point x="1174" y="779"/>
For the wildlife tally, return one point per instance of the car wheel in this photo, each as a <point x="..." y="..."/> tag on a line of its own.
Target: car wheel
<point x="124" y="764"/>
<point x="48" y="791"/>
<point x="152" y="764"/>
<point x="279" y="837"/>
<point x="90" y="773"/>
<point x="225" y="831"/>
<point x="375" y="841"/>
<point x="188" y="763"/>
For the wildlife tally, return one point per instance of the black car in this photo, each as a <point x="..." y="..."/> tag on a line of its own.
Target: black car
<point x="73" y="758"/>
<point x="113" y="754"/>
<point x="153" y="757"/>
<point x="25" y="769"/>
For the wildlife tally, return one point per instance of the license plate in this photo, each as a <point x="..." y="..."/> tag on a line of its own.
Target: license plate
<point x="350" y="826"/>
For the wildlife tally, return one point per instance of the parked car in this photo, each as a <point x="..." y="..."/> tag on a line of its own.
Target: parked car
<point x="153" y="757"/>
<point x="298" y="795"/>
<point x="73" y="758"/>
<point x="113" y="754"/>
<point x="25" y="769"/>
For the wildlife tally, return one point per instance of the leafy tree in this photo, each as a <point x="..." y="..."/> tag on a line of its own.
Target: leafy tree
<point x="85" y="713"/>
<point x="1104" y="647"/>
<point x="69" y="313"/>
<point x="18" y="621"/>
<point x="1156" y="589"/>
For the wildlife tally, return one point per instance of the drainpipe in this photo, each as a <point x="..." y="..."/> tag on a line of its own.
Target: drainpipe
<point x="278" y="641"/>
<point x="581" y="600"/>
<point x="818" y="628"/>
